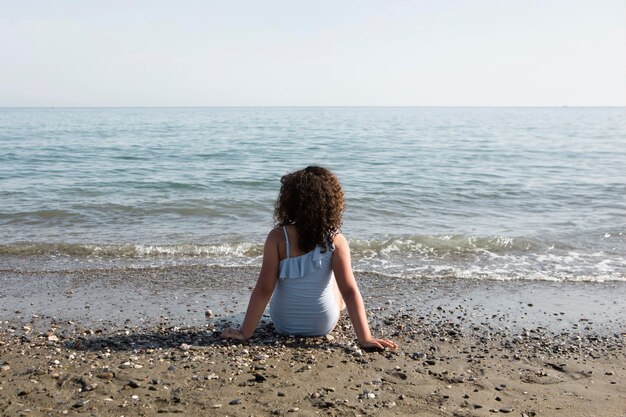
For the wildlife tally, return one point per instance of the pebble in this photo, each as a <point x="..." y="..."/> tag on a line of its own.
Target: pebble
<point x="236" y="401"/>
<point x="293" y="409"/>
<point x="506" y="410"/>
<point x="208" y="314"/>
<point x="418" y="355"/>
<point x="80" y="403"/>
<point x="133" y="383"/>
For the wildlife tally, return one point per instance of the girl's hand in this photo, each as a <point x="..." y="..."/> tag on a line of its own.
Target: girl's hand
<point x="232" y="333"/>
<point x="379" y="343"/>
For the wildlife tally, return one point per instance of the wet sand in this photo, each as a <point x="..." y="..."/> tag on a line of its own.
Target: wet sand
<point x="143" y="342"/>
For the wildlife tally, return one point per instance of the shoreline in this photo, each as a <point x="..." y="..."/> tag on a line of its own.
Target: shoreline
<point x="137" y="342"/>
<point x="180" y="295"/>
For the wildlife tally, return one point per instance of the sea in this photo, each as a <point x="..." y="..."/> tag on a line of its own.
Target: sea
<point x="476" y="193"/>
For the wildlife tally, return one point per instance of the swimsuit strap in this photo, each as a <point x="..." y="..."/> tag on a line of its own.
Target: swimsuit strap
<point x="287" y="241"/>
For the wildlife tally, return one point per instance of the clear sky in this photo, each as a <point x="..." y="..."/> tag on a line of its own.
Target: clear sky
<point x="319" y="53"/>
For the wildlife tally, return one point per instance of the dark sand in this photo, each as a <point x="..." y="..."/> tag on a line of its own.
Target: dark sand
<point x="136" y="342"/>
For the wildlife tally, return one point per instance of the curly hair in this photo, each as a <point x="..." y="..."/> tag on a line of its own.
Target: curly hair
<point x="312" y="200"/>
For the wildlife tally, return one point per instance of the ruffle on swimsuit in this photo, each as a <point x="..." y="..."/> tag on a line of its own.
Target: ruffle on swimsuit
<point x="309" y="263"/>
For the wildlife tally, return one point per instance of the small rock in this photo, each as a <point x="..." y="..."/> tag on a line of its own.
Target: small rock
<point x="133" y="383"/>
<point x="281" y="393"/>
<point x="216" y="406"/>
<point x="293" y="409"/>
<point x="236" y="401"/>
<point x="208" y="314"/>
<point x="418" y="355"/>
<point x="260" y="378"/>
<point x="105" y="375"/>
<point x="80" y="403"/>
<point x="506" y="410"/>
<point x="53" y="338"/>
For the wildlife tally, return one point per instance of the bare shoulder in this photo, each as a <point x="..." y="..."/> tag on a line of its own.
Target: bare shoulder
<point x="274" y="237"/>
<point x="340" y="241"/>
<point x="275" y="234"/>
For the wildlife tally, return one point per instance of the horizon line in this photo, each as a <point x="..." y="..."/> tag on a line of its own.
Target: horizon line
<point x="314" y="106"/>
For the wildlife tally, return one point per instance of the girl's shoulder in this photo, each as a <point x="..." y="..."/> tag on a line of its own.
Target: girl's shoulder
<point x="276" y="235"/>
<point x="339" y="240"/>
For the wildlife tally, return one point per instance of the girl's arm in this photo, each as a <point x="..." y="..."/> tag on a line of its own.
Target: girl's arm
<point x="262" y="291"/>
<point x="342" y="268"/>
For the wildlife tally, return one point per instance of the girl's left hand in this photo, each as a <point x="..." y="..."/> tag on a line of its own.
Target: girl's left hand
<point x="232" y="333"/>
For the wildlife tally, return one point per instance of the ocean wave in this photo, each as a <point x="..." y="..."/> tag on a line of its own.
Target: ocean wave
<point x="456" y="247"/>
<point x="448" y="245"/>
<point x="132" y="250"/>
<point x="445" y="256"/>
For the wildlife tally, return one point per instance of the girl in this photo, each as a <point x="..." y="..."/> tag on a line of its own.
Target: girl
<point x="306" y="264"/>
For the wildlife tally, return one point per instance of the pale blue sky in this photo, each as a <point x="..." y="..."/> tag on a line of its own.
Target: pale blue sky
<point x="297" y="53"/>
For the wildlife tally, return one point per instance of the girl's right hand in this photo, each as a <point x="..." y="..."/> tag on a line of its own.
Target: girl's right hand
<point x="232" y="333"/>
<point x="379" y="343"/>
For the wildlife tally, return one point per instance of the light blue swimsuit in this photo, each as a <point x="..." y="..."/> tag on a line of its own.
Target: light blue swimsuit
<point x="304" y="302"/>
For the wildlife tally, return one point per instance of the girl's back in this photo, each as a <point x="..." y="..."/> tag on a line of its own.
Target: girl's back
<point x="304" y="300"/>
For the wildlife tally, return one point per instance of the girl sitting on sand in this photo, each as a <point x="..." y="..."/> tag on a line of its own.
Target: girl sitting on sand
<point x="306" y="264"/>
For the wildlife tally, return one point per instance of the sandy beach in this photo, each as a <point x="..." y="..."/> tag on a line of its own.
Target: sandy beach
<point x="143" y="342"/>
